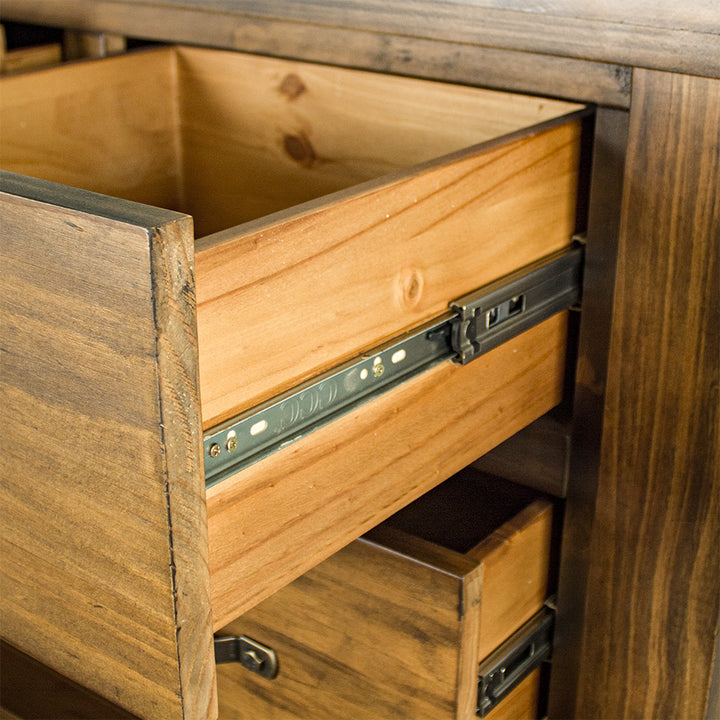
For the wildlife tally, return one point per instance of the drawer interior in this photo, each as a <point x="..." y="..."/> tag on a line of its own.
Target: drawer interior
<point x="463" y="511"/>
<point x="227" y="137"/>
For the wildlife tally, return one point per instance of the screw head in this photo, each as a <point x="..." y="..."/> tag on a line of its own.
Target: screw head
<point x="378" y="369"/>
<point x="231" y="444"/>
<point x="214" y="450"/>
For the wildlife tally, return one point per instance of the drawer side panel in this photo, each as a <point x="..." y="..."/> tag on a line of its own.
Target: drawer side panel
<point x="295" y="297"/>
<point x="279" y="517"/>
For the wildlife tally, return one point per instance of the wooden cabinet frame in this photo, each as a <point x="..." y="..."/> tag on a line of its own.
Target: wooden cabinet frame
<point x="639" y="586"/>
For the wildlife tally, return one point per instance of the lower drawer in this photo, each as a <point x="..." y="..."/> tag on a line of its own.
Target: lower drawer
<point x="396" y="624"/>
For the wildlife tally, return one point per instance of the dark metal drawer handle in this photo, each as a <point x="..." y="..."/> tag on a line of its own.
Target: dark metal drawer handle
<point x="252" y="655"/>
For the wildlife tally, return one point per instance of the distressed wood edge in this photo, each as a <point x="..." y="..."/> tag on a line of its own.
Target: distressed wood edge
<point x="85" y="201"/>
<point x="172" y="266"/>
<point x="470" y="604"/>
<point x="591" y="39"/>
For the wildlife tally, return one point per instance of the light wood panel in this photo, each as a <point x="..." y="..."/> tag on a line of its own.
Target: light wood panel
<point x="279" y="517"/>
<point x="261" y="135"/>
<point x="360" y="269"/>
<point x="652" y="34"/>
<point x="108" y="127"/>
<point x="654" y="577"/>
<point x="229" y="137"/>
<point x="520" y="549"/>
<point x="104" y="565"/>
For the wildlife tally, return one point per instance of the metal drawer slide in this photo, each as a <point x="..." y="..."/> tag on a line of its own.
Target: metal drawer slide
<point x="475" y="324"/>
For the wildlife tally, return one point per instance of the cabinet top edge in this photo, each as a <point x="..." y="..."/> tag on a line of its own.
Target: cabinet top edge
<point x="684" y="39"/>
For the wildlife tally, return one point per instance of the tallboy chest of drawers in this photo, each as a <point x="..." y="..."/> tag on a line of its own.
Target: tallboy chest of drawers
<point x="189" y="234"/>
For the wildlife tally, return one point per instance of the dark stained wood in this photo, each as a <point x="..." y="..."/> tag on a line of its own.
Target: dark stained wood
<point x="654" y="585"/>
<point x="603" y="229"/>
<point x="654" y="35"/>
<point x="104" y="545"/>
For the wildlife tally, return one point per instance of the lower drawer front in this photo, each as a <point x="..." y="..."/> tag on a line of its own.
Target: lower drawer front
<point x="396" y="624"/>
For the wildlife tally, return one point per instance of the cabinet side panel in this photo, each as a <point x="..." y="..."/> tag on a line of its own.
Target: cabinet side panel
<point x="652" y="604"/>
<point x="89" y="570"/>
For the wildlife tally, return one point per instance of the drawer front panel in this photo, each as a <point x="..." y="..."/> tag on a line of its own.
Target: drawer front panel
<point x="387" y="627"/>
<point x="273" y="521"/>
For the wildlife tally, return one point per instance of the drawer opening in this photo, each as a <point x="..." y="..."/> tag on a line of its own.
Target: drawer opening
<point x="431" y="613"/>
<point x="227" y="137"/>
<point x="464" y="510"/>
<point x="334" y="209"/>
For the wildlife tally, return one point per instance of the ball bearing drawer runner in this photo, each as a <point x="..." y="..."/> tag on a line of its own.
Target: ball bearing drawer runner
<point x="335" y="213"/>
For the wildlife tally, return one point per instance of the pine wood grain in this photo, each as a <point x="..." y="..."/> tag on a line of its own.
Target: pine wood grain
<point x="662" y="35"/>
<point x="221" y="121"/>
<point x="261" y="135"/>
<point x="655" y="578"/>
<point x="393" y="625"/>
<point x="234" y="137"/>
<point x="361" y="269"/>
<point x="279" y="517"/>
<point x="104" y="570"/>
<point x="108" y="127"/>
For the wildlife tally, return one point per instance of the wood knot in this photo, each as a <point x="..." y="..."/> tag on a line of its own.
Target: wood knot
<point x="300" y="149"/>
<point x="292" y="87"/>
<point x="411" y="287"/>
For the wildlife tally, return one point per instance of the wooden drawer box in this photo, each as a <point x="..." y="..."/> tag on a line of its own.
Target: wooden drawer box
<point x="395" y="624"/>
<point x="333" y="210"/>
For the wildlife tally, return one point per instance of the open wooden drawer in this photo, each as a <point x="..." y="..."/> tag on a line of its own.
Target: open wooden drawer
<point x="333" y="210"/>
<point x="397" y="624"/>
